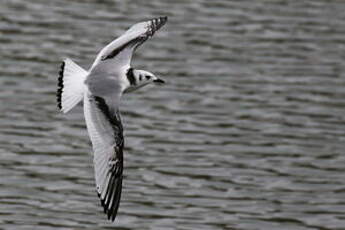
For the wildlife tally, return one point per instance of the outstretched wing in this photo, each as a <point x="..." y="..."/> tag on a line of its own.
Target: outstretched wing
<point x="122" y="48"/>
<point x="106" y="133"/>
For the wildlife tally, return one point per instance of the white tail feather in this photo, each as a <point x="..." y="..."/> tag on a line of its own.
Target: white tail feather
<point x="70" y="85"/>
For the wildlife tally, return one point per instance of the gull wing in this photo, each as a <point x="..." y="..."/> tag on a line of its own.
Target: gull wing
<point x="106" y="133"/>
<point x="121" y="49"/>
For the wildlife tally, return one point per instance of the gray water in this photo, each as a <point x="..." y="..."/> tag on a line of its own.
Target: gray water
<point x="248" y="133"/>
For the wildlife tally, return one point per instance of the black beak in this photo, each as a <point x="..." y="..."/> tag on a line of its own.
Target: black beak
<point x="159" y="81"/>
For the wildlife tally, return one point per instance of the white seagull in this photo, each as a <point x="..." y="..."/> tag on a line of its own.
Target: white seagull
<point x="101" y="88"/>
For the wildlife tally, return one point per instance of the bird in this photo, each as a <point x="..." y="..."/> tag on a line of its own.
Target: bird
<point x="101" y="89"/>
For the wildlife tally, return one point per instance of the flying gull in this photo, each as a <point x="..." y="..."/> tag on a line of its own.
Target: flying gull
<point x="101" y="88"/>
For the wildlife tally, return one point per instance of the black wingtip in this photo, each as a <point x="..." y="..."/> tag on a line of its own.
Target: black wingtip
<point x="156" y="24"/>
<point x="111" y="202"/>
<point x="60" y="86"/>
<point x="162" y="21"/>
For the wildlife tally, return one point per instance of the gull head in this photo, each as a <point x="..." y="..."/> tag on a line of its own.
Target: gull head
<point x="139" y="78"/>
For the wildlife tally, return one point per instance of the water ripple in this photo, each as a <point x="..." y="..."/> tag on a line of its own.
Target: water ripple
<point x="247" y="134"/>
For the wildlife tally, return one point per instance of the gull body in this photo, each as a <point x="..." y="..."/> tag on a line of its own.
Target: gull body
<point x="101" y="88"/>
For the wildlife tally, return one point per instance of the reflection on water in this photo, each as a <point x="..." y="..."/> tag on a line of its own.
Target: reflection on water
<point x="247" y="134"/>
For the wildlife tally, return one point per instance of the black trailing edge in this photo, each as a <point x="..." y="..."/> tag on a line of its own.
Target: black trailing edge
<point x="60" y="86"/>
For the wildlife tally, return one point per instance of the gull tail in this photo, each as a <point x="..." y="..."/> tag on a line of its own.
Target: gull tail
<point x="70" y="85"/>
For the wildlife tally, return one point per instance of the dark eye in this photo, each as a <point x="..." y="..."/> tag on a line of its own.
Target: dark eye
<point x="147" y="77"/>
<point x="140" y="77"/>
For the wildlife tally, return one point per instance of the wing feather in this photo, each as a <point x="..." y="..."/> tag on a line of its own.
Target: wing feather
<point x="106" y="134"/>
<point x="123" y="47"/>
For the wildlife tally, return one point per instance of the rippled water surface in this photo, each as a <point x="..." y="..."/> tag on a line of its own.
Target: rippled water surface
<point x="249" y="132"/>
